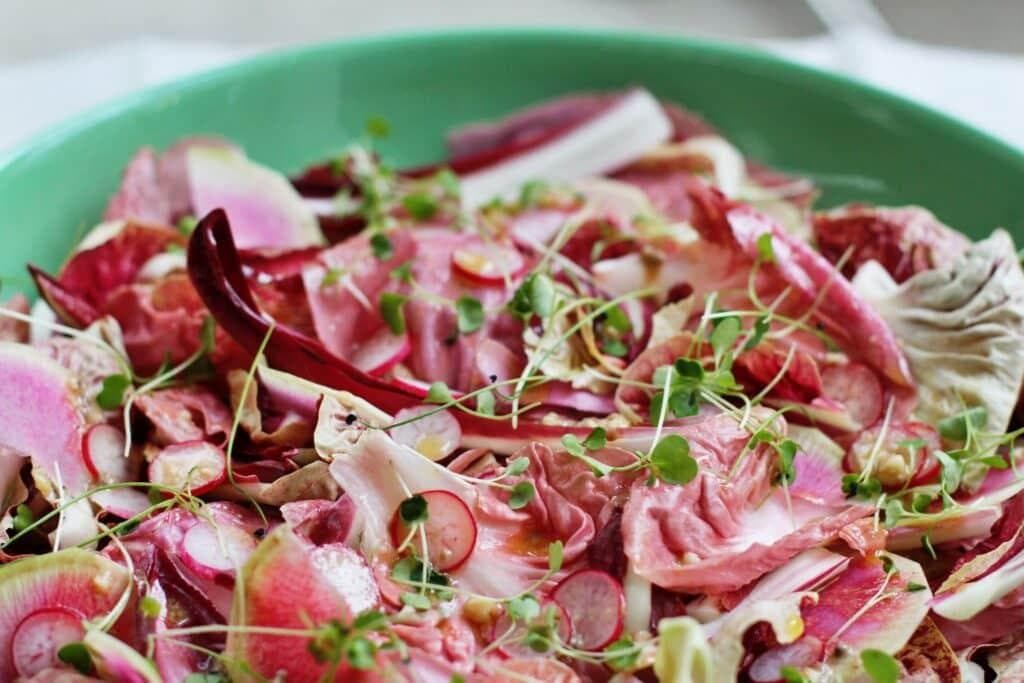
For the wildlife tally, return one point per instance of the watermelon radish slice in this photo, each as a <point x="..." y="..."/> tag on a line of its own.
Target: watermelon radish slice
<point x="41" y="416"/>
<point x="39" y="637"/>
<point x="43" y="601"/>
<point x="450" y="529"/>
<point x="435" y="435"/>
<point x="214" y="551"/>
<point x="265" y="210"/>
<point x="281" y="587"/>
<point x="116" y="661"/>
<point x="489" y="264"/>
<point x="382" y="352"/>
<point x="103" y="450"/>
<point x="595" y="603"/>
<point x="197" y="466"/>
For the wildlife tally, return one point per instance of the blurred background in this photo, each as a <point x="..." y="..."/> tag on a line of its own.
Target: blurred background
<point x="58" y="57"/>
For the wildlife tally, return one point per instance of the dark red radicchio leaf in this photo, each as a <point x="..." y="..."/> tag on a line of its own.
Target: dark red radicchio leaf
<point x="904" y="240"/>
<point x="92" y="274"/>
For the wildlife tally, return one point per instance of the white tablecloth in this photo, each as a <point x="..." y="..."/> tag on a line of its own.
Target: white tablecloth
<point x="984" y="89"/>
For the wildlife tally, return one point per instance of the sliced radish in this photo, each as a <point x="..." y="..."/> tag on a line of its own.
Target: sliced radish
<point x="489" y="264"/>
<point x="42" y="415"/>
<point x="623" y="132"/>
<point x="103" y="449"/>
<point x="858" y="388"/>
<point x="594" y="601"/>
<point x="194" y="465"/>
<point x="517" y="648"/>
<point x="450" y="530"/>
<point x="211" y="551"/>
<point x="382" y="352"/>
<point x="123" y="503"/>
<point x="39" y="637"/>
<point x="435" y="435"/>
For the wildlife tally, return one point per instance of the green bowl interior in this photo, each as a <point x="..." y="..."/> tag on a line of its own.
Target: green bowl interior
<point x="292" y="108"/>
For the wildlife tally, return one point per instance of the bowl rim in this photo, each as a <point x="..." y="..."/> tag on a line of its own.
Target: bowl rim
<point x="715" y="49"/>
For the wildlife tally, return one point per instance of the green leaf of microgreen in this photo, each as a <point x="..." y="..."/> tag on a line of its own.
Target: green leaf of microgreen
<point x="112" y="392"/>
<point x="957" y="427"/>
<point x="761" y="327"/>
<point x="331" y="277"/>
<point x="413" y="510"/>
<point x="517" y="466"/>
<point x="525" y="608"/>
<point x="381" y="246"/>
<point x="485" y="402"/>
<point x="671" y="460"/>
<point x="616" y="319"/>
<point x="725" y="334"/>
<point x="470" y="314"/>
<point x="880" y="666"/>
<point x="391" y="304"/>
<point x="420" y="205"/>
<point x="596" y="440"/>
<point x="623" y="654"/>
<point x="615" y="348"/>
<point x="187" y="224"/>
<point x="416" y="600"/>
<point x="521" y="495"/>
<point x="556" y="553"/>
<point x="438" y="392"/>
<point x="77" y="656"/>
<point x="765" y="248"/>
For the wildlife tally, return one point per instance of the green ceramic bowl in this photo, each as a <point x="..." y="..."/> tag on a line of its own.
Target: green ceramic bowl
<point x="294" y="107"/>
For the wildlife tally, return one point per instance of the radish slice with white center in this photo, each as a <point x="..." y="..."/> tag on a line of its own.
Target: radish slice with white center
<point x="594" y="601"/>
<point x="517" y="648"/>
<point x="40" y="636"/>
<point x="489" y="264"/>
<point x="624" y="132"/>
<point x="210" y="551"/>
<point x="450" y="529"/>
<point x="382" y="352"/>
<point x="435" y="435"/>
<point x="195" y="465"/>
<point x="857" y="388"/>
<point x="123" y="503"/>
<point x="103" y="449"/>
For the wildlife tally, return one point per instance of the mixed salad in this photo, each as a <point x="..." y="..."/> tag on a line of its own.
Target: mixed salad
<point x="594" y="399"/>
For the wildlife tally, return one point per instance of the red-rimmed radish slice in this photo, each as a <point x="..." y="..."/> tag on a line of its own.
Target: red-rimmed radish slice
<point x="857" y="388"/>
<point x="517" y="648"/>
<point x="211" y="551"/>
<point x="621" y="133"/>
<point x="39" y="637"/>
<point x="382" y="352"/>
<point x="905" y="457"/>
<point x="435" y="435"/>
<point x="103" y="450"/>
<point x="595" y="603"/>
<point x="123" y="503"/>
<point x="195" y="465"/>
<point x="489" y="264"/>
<point x="450" y="530"/>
